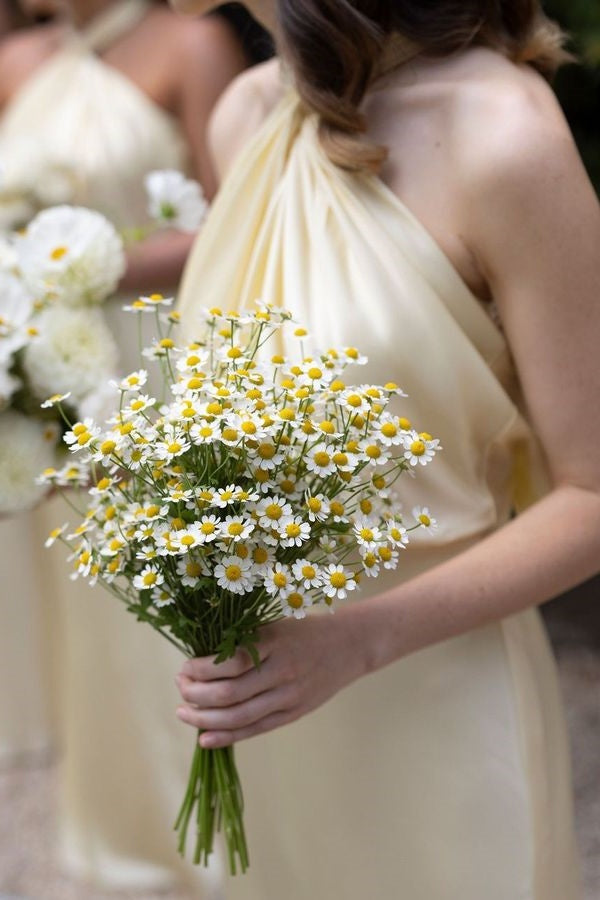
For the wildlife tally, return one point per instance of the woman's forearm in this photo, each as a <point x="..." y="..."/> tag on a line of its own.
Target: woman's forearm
<point x="548" y="549"/>
<point x="156" y="263"/>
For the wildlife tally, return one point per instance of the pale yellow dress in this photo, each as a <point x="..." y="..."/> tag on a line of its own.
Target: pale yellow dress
<point x="445" y="776"/>
<point x="125" y="760"/>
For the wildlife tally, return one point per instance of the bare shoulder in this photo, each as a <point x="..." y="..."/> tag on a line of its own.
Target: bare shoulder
<point x="22" y="52"/>
<point x="506" y="127"/>
<point x="241" y="111"/>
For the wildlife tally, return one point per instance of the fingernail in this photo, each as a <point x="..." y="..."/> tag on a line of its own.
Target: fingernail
<point x="207" y="741"/>
<point x="181" y="712"/>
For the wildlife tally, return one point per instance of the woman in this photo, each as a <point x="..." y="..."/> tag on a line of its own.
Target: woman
<point x="462" y="259"/>
<point x="96" y="94"/>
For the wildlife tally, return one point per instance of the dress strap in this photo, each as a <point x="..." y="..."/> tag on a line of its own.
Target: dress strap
<point x="111" y="24"/>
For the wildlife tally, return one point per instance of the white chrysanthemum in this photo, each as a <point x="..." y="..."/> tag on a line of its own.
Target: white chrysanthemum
<point x="8" y="255"/>
<point x="174" y="200"/>
<point x="74" y="351"/>
<point x="16" y="307"/>
<point x="73" y="253"/>
<point x="8" y="385"/>
<point x="27" y="447"/>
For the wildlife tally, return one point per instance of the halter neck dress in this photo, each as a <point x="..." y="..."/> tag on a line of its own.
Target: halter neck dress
<point x="124" y="758"/>
<point x="445" y="775"/>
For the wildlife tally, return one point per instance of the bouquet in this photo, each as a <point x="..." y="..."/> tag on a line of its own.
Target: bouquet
<point x="53" y="339"/>
<point x="261" y="488"/>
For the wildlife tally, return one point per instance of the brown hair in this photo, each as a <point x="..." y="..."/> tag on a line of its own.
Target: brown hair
<point x="335" y="48"/>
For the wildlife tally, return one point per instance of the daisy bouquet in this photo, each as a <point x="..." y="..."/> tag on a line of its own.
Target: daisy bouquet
<point x="262" y="487"/>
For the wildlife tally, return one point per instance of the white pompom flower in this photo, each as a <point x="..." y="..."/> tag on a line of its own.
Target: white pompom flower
<point x="74" y="351"/>
<point x="27" y="446"/>
<point x="73" y="254"/>
<point x="175" y="201"/>
<point x="16" y="307"/>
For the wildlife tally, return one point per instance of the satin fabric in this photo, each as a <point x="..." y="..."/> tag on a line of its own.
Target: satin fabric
<point x="124" y="757"/>
<point x="445" y="775"/>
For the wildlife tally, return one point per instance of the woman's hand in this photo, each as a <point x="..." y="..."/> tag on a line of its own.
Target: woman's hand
<point x="303" y="664"/>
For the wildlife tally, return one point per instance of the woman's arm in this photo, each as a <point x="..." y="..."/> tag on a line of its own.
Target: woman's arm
<point x="534" y="224"/>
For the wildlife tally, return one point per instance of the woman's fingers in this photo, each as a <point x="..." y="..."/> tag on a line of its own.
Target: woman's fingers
<point x="242" y="715"/>
<point x="224" y="691"/>
<point x="206" y="669"/>
<point x="211" y="740"/>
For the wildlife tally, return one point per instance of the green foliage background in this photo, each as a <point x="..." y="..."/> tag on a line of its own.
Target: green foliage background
<point x="578" y="86"/>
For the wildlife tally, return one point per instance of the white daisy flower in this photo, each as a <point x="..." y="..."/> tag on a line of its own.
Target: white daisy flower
<point x="175" y="201"/>
<point x="271" y="510"/>
<point x="204" y="432"/>
<point x="161" y="597"/>
<point x="225" y="496"/>
<point x="55" y="534"/>
<point x="419" y="449"/>
<point x="367" y="533"/>
<point x="307" y="574"/>
<point x="371" y="563"/>
<point x="396" y="534"/>
<point x="293" y="531"/>
<point x="354" y="356"/>
<point x="262" y="558"/>
<point x="319" y="460"/>
<point x="146" y="552"/>
<point x="373" y="453"/>
<point x="174" y="442"/>
<point x="135" y="381"/>
<point x="389" y="557"/>
<point x="190" y="571"/>
<point x="295" y="603"/>
<point x="337" y="582"/>
<point x="424" y="518"/>
<point x="317" y="506"/>
<point x="73" y="253"/>
<point x="148" y="579"/>
<point x="54" y="400"/>
<point x="388" y="431"/>
<point x="235" y="574"/>
<point x="236" y="528"/>
<point x="148" y="304"/>
<point x="278" y="578"/>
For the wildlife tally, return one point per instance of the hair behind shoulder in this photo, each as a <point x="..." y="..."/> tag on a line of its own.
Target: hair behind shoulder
<point x="336" y="48"/>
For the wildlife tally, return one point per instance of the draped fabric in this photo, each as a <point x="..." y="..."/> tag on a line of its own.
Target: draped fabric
<point x="124" y="756"/>
<point x="446" y="774"/>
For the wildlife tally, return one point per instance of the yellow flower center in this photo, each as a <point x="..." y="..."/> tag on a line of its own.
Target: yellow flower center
<point x="248" y="427"/>
<point x="279" y="579"/>
<point x="322" y="458"/>
<point x="366" y="534"/>
<point x="273" y="511"/>
<point x="369" y="561"/>
<point x="235" y="528"/>
<point x="260" y="555"/>
<point x="174" y="447"/>
<point x="354" y="400"/>
<point x="315" y="373"/>
<point x="352" y="353"/>
<point x="314" y="504"/>
<point x="308" y="572"/>
<point x="107" y="447"/>
<point x="295" y="600"/>
<point x="166" y="344"/>
<point x="233" y="573"/>
<point x="424" y="520"/>
<point x="230" y="434"/>
<point x="389" y="430"/>
<point x="385" y="554"/>
<point x="207" y="528"/>
<point x="337" y="508"/>
<point x="337" y="579"/>
<point x="373" y="451"/>
<point x="58" y="253"/>
<point x="340" y="459"/>
<point x="327" y="427"/>
<point x="366" y="506"/>
<point x="266" y="451"/>
<point x="150" y="579"/>
<point x="404" y="424"/>
<point x="293" y="530"/>
<point x="193" y="569"/>
<point x="417" y="448"/>
<point x="214" y="408"/>
<point x="188" y="540"/>
<point x="234" y="353"/>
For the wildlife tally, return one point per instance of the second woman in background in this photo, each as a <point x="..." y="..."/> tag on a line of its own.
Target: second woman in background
<point x="105" y="92"/>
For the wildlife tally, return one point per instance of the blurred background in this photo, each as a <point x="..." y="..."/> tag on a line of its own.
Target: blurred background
<point x="574" y="620"/>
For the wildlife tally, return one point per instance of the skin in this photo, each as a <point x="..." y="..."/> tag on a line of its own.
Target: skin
<point x="208" y="58"/>
<point x="480" y="152"/>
